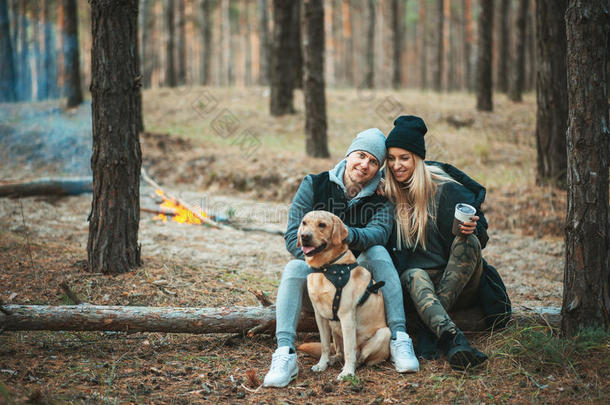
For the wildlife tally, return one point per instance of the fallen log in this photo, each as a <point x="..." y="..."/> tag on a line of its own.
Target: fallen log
<point x="58" y="187"/>
<point x="87" y="317"/>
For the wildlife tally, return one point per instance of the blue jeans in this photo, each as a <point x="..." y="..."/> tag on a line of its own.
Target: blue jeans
<point x="293" y="285"/>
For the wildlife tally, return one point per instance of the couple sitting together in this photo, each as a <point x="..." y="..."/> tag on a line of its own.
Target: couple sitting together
<point x="400" y="230"/>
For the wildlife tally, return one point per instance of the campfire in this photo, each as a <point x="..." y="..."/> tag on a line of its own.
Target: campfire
<point x="178" y="212"/>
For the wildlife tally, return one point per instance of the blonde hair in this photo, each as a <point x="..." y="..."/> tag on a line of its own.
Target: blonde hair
<point x="414" y="201"/>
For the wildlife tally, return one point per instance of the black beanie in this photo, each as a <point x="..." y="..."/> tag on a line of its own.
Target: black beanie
<point x="408" y="133"/>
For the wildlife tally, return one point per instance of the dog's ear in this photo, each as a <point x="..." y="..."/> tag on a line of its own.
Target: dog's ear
<point x="339" y="231"/>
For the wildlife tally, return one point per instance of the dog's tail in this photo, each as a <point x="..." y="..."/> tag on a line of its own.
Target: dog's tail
<point x="313" y="349"/>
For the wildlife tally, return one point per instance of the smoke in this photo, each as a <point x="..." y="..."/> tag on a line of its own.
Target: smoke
<point x="38" y="136"/>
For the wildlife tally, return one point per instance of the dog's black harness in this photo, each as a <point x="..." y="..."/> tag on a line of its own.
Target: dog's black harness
<point x="338" y="275"/>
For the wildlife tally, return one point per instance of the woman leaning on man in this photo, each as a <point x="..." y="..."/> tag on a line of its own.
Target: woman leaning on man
<point x="439" y="270"/>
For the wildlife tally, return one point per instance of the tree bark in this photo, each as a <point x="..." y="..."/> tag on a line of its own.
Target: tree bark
<point x="146" y="51"/>
<point x="518" y="71"/>
<point x="263" y="34"/>
<point x="551" y="92"/>
<point x="247" y="46"/>
<point x="283" y="58"/>
<point x="116" y="160"/>
<point x="72" y="85"/>
<point x="170" y="40"/>
<point x="25" y="83"/>
<point x="397" y="33"/>
<point x="423" y="44"/>
<point x="206" y="41"/>
<point x="312" y="26"/>
<point x="7" y="65"/>
<point x="503" y="46"/>
<point x="586" y="293"/>
<point x="50" y="58"/>
<point x="38" y="65"/>
<point x="181" y="44"/>
<point x="437" y="72"/>
<point x="468" y="39"/>
<point x="236" y="319"/>
<point x="369" y="72"/>
<point x="62" y="186"/>
<point x="348" y="55"/>
<point x="484" y="83"/>
<point x="226" y="67"/>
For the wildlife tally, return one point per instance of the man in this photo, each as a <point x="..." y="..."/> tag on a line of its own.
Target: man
<point x="347" y="191"/>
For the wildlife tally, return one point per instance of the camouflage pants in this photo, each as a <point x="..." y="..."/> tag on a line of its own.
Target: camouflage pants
<point x="434" y="292"/>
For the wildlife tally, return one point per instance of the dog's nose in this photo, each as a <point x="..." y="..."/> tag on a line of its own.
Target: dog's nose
<point x="306" y="238"/>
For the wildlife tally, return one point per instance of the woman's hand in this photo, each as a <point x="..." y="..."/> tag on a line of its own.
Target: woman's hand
<point x="467" y="228"/>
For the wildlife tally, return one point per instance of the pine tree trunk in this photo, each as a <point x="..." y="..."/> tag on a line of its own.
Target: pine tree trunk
<point x="225" y="26"/>
<point x="38" y="65"/>
<point x="24" y="54"/>
<point x="116" y="160"/>
<point x="263" y="50"/>
<point x="312" y="17"/>
<point x="7" y="65"/>
<point x="170" y="68"/>
<point x="338" y="42"/>
<point x="397" y="34"/>
<point x="348" y="55"/>
<point x="423" y="50"/>
<point x="369" y="72"/>
<point x="50" y="53"/>
<point x="72" y="86"/>
<point x="181" y="45"/>
<point x="518" y="71"/>
<point x="437" y="72"/>
<point x="283" y="58"/>
<point x="586" y="296"/>
<point x="247" y="47"/>
<point x="147" y="20"/>
<point x="531" y="47"/>
<point x="503" y="46"/>
<point x="551" y="92"/>
<point x="484" y="83"/>
<point x="468" y="40"/>
<point x="206" y="41"/>
<point x="297" y="49"/>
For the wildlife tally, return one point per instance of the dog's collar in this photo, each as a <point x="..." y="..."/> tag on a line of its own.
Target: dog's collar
<point x="329" y="264"/>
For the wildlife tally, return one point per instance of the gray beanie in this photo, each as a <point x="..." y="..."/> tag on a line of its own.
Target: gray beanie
<point x="372" y="141"/>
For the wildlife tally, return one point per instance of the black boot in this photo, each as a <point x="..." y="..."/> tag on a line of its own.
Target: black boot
<point x="459" y="352"/>
<point x="427" y="344"/>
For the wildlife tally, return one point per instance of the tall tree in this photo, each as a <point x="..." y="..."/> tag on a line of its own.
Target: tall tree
<point x="518" y="72"/>
<point x="503" y="46"/>
<point x="295" y="39"/>
<point x="226" y="67"/>
<point x="205" y="29"/>
<point x="38" y="62"/>
<point x="245" y="23"/>
<point x="551" y="91"/>
<point x="348" y="55"/>
<point x="484" y="75"/>
<point x="283" y="58"/>
<point x="72" y="86"/>
<point x="116" y="160"/>
<point x="312" y="28"/>
<point x="369" y="72"/>
<point x="146" y="59"/>
<point x="586" y="293"/>
<point x="468" y="38"/>
<point x="49" y="59"/>
<point x="397" y="33"/>
<point x="437" y="73"/>
<point x="24" y="88"/>
<point x="181" y="44"/>
<point x="7" y="65"/>
<point x="263" y="33"/>
<point x="170" y="40"/>
<point x="423" y="45"/>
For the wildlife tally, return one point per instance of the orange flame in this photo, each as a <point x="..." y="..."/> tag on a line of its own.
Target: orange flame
<point x="181" y="214"/>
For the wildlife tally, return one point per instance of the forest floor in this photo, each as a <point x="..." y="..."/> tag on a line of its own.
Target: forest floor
<point x="219" y="149"/>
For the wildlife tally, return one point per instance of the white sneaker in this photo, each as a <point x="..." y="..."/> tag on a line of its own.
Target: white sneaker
<point x="283" y="368"/>
<point x="401" y="352"/>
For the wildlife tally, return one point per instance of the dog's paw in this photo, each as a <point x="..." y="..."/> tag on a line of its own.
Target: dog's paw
<point x="319" y="367"/>
<point x="345" y="374"/>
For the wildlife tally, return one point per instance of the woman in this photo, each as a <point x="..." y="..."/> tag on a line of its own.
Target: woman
<point x="441" y="271"/>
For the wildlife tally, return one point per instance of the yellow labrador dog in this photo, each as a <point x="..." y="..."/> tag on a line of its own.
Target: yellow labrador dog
<point x="346" y="301"/>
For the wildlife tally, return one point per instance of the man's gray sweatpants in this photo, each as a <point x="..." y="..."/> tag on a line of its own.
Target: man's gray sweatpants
<point x="293" y="292"/>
